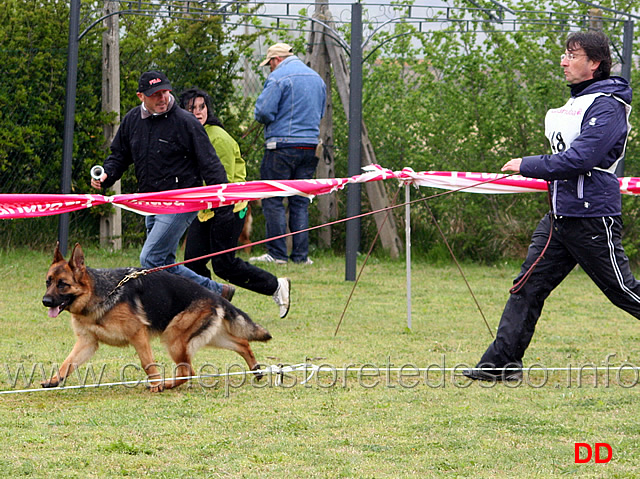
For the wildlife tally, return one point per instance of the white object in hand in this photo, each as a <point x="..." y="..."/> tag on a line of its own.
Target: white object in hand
<point x="96" y="172"/>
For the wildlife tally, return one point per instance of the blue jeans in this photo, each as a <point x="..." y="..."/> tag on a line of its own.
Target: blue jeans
<point x="163" y="236"/>
<point x="288" y="164"/>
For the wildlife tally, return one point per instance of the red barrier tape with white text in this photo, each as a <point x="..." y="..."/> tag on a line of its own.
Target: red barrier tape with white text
<point x="194" y="199"/>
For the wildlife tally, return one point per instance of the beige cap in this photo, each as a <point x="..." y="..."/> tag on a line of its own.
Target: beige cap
<point x="277" y="50"/>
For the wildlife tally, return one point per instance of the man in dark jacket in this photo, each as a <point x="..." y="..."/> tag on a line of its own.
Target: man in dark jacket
<point x="169" y="150"/>
<point x="588" y="136"/>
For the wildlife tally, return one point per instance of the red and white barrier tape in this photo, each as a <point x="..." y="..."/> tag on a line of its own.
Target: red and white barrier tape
<point x="194" y="199"/>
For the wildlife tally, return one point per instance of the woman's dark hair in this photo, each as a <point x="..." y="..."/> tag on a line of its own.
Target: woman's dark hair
<point x="187" y="97"/>
<point x="596" y="45"/>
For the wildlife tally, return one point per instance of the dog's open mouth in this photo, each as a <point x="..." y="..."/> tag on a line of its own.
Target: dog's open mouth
<point x="54" y="311"/>
<point x="55" y="306"/>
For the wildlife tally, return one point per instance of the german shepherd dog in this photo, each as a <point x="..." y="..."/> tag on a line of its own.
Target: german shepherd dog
<point x="106" y="309"/>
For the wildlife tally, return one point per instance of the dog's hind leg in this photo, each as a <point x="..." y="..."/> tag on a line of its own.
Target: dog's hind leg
<point x="214" y="335"/>
<point x="244" y="350"/>
<point x="180" y="348"/>
<point x="183" y="370"/>
<point x="225" y="340"/>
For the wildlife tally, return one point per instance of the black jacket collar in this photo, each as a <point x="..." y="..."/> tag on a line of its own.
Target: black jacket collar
<point x="577" y="88"/>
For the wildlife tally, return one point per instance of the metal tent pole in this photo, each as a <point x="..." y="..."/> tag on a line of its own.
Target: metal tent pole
<point x="355" y="143"/>
<point x="407" y="229"/>
<point x="69" y="118"/>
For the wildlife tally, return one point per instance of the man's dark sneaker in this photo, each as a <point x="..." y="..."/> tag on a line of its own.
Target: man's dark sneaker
<point x="228" y="291"/>
<point x="493" y="375"/>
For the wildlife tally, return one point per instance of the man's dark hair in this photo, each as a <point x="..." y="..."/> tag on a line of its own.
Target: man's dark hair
<point x="596" y="46"/>
<point x="187" y="97"/>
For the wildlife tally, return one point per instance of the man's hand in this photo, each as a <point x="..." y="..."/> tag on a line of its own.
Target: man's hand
<point x="97" y="184"/>
<point x="512" y="165"/>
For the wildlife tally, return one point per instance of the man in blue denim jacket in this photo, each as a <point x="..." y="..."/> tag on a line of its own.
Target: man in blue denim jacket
<point x="290" y="106"/>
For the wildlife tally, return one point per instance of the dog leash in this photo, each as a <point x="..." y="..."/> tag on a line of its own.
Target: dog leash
<point x="137" y="274"/>
<point x="130" y="276"/>
<point x="144" y="272"/>
<point x="525" y="277"/>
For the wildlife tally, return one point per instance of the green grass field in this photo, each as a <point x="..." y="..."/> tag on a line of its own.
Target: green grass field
<point x="361" y="417"/>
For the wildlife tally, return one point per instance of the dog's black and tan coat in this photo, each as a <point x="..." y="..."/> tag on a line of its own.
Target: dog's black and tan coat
<point x="186" y="315"/>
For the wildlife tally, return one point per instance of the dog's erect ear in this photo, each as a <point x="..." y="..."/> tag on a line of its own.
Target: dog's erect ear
<point x="57" y="255"/>
<point x="77" y="258"/>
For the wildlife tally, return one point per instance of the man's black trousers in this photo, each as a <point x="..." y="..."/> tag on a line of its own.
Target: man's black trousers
<point x="593" y="243"/>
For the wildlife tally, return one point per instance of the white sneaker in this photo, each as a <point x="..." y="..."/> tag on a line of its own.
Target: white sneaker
<point x="267" y="258"/>
<point x="282" y="296"/>
<point x="306" y="261"/>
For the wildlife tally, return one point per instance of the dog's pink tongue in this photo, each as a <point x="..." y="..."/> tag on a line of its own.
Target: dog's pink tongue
<point x="54" y="312"/>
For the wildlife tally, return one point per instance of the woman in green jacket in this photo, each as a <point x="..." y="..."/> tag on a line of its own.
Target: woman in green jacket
<point x="209" y="234"/>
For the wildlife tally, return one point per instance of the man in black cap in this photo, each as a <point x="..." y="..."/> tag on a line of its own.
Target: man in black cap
<point x="169" y="149"/>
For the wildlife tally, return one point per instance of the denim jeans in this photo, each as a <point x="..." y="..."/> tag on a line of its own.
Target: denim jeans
<point x="163" y="236"/>
<point x="287" y="164"/>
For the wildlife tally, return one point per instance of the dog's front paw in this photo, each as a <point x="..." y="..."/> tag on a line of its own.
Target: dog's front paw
<point x="51" y="383"/>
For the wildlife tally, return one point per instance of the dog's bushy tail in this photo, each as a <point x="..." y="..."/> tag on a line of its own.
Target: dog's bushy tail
<point x="241" y="325"/>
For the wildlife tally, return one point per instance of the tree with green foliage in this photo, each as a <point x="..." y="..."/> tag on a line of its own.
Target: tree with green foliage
<point x="468" y="97"/>
<point x="453" y="99"/>
<point x="33" y="55"/>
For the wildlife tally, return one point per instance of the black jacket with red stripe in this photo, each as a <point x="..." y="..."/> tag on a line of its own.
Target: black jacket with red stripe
<point x="169" y="151"/>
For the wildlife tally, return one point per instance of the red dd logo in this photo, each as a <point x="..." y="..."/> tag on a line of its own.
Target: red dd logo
<point x="588" y="454"/>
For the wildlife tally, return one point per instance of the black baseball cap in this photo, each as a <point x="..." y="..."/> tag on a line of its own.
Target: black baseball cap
<point x="153" y="81"/>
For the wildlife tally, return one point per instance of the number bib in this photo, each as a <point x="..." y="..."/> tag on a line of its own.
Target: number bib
<point x="563" y="125"/>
